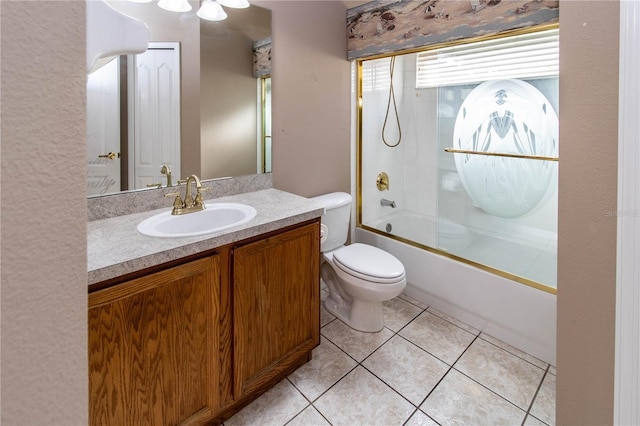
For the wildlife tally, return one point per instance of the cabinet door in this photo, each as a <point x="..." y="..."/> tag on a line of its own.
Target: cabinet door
<point x="276" y="305"/>
<point x="152" y="346"/>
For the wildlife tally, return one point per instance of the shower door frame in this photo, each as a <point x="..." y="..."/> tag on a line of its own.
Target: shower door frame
<point x="359" y="148"/>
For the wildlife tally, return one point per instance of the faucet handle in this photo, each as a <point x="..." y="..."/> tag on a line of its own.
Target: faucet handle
<point x="199" y="200"/>
<point x="178" y="200"/>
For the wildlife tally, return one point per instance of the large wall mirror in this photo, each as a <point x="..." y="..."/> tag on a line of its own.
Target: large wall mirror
<point x="191" y="103"/>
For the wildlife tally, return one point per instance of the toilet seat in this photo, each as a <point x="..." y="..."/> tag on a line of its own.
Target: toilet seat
<point x="369" y="263"/>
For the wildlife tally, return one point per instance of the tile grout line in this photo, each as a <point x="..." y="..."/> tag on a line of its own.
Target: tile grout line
<point x="484" y="386"/>
<point x="477" y="382"/>
<point x="397" y="333"/>
<point x="512" y="352"/>
<point x="450" y="367"/>
<point x="535" y="395"/>
<point x="490" y="390"/>
<point x="310" y="403"/>
<point x="449" y="321"/>
<point x="496" y="393"/>
<point x="448" y="371"/>
<point x="360" y="363"/>
<point x="477" y="335"/>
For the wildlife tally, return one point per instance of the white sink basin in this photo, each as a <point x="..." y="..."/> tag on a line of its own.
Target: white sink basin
<point x="215" y="217"/>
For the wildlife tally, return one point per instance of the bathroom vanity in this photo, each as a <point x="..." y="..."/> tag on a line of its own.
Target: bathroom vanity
<point x="190" y="330"/>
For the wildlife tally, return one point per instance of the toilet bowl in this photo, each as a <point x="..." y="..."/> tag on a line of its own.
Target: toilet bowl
<point x="359" y="276"/>
<point x="452" y="236"/>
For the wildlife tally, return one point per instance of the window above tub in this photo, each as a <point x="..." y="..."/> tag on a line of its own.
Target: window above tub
<point x="523" y="56"/>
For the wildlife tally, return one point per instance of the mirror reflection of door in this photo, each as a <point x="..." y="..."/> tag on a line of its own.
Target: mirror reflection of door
<point x="103" y="129"/>
<point x="153" y="136"/>
<point x="154" y="110"/>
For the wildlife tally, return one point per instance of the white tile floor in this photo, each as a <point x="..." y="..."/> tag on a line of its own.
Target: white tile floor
<point x="423" y="368"/>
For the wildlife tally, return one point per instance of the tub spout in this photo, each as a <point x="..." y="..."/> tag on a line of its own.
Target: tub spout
<point x="385" y="202"/>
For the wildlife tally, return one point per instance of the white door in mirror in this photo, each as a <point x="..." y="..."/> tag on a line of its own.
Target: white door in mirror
<point x="154" y="114"/>
<point x="216" y="217"/>
<point x="103" y="129"/>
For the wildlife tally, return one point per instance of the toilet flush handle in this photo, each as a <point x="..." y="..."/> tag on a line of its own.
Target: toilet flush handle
<point x="324" y="233"/>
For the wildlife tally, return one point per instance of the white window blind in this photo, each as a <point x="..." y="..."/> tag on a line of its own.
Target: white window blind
<point x="530" y="55"/>
<point x="376" y="75"/>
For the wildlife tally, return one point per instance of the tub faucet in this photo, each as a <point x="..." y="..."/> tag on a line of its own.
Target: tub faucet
<point x="385" y="202"/>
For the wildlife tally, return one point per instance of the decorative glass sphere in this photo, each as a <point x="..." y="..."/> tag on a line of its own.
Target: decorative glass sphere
<point x="507" y="117"/>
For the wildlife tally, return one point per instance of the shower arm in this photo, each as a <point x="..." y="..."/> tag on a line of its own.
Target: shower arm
<point x="501" y="154"/>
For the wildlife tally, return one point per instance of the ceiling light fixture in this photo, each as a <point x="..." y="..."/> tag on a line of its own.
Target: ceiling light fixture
<point x="175" y="5"/>
<point x="211" y="11"/>
<point x="235" y="4"/>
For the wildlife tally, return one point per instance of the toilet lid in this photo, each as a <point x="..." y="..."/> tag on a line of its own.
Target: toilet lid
<point x="369" y="261"/>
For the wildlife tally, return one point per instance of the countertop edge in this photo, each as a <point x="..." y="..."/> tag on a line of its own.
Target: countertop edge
<point x="302" y="210"/>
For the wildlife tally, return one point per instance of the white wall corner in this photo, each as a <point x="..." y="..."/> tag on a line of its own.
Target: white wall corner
<point x="627" y="367"/>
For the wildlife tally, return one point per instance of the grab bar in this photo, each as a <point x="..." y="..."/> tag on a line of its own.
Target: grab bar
<point x="501" y="154"/>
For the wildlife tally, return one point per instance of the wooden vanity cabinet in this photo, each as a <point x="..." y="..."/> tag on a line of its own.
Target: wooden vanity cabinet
<point x="276" y="306"/>
<point x="151" y="345"/>
<point x="194" y="343"/>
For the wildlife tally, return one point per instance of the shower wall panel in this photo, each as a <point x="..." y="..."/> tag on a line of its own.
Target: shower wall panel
<point x="424" y="179"/>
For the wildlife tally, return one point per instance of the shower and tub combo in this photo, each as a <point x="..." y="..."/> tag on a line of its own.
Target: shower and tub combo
<point x="469" y="201"/>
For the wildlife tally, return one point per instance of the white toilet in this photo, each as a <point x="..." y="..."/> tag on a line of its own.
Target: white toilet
<point x="359" y="276"/>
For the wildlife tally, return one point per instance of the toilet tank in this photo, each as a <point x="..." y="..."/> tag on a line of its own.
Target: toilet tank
<point x="335" y="220"/>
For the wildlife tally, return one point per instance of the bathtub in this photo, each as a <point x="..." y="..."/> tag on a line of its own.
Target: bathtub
<point x="443" y="234"/>
<point x="520" y="315"/>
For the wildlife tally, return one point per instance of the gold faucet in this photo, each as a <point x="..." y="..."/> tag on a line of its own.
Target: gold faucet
<point x="165" y="170"/>
<point x="190" y="204"/>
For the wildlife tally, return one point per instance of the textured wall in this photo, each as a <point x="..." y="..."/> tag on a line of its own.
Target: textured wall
<point x="587" y="191"/>
<point x="43" y="263"/>
<point x="311" y="86"/>
<point x="43" y="224"/>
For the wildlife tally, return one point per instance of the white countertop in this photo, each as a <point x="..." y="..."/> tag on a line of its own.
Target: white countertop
<point x="116" y="248"/>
